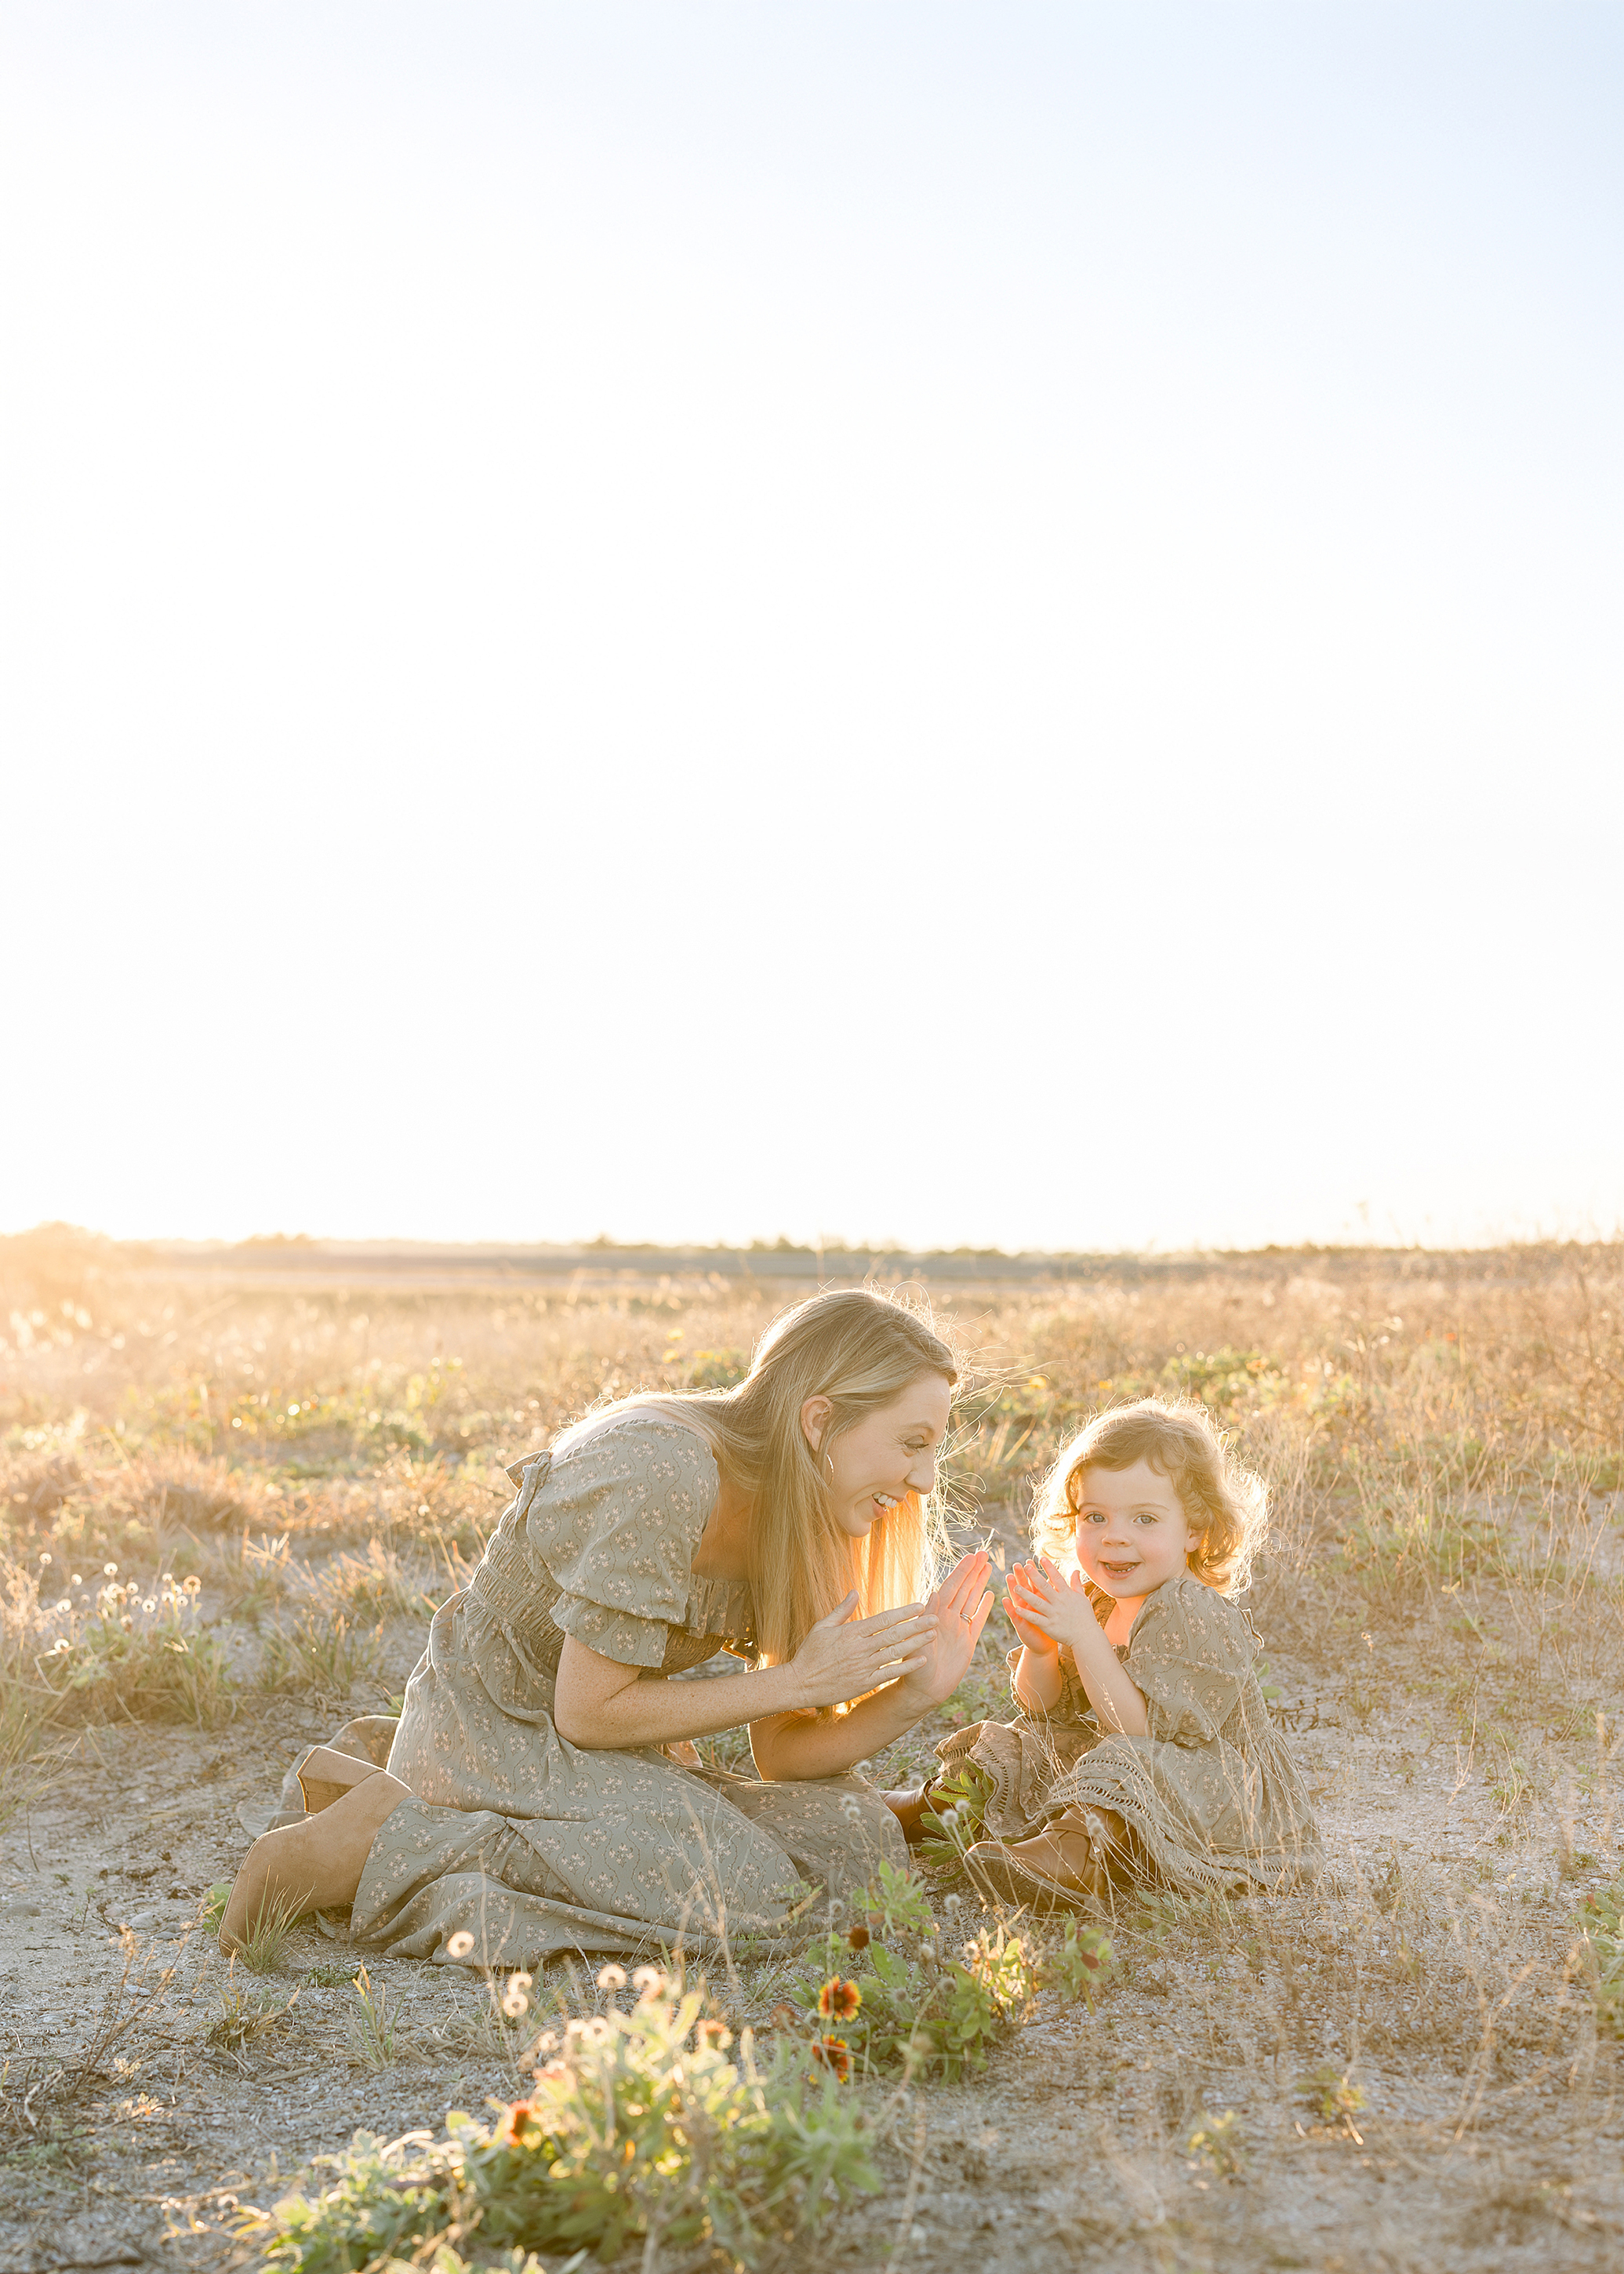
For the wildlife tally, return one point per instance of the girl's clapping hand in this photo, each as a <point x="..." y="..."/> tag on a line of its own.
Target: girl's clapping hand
<point x="1032" y="1638"/>
<point x="1046" y="1609"/>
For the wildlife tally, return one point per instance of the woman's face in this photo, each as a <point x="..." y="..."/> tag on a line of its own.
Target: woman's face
<point x="1133" y="1534"/>
<point x="889" y="1453"/>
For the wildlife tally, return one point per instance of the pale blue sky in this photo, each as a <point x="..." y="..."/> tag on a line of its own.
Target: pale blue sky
<point x="920" y="622"/>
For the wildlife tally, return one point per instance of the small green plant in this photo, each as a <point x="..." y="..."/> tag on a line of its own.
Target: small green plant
<point x="264" y="1937"/>
<point x="330" y="1977"/>
<point x="374" y="2032"/>
<point x="896" y="1903"/>
<point x="246" y="2016"/>
<point x="214" y="1906"/>
<point x="955" y="1820"/>
<point x="638" y="2125"/>
<point x="1332" y="2095"/>
<point x="1215" y="2145"/>
<point x="1601" y="1924"/>
<point x="1512" y="1783"/>
<point x="1078" y="1964"/>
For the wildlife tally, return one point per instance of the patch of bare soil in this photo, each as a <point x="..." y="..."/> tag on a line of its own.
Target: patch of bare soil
<point x="1393" y="2072"/>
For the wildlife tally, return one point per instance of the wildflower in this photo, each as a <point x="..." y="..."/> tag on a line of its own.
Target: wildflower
<point x="515" y="2005"/>
<point x="192" y="1585"/>
<point x="715" y="2034"/>
<point x="109" y="1570"/>
<point x="460" y="1944"/>
<point x="859" y="1938"/>
<point x="149" y="1604"/>
<point x="76" y="1581"/>
<point x="515" y="2123"/>
<point x="45" y="1557"/>
<point x="650" y="1980"/>
<point x="953" y="1903"/>
<point x="834" y="2053"/>
<point x="612" y="1977"/>
<point x="837" y="2000"/>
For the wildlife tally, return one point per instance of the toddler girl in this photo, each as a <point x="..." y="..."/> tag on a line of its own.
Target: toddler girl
<point x="1144" y="1750"/>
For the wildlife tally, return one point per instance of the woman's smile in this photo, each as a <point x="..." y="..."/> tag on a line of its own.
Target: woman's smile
<point x="904" y="1436"/>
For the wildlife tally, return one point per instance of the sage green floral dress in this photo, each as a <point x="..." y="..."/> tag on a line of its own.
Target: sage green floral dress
<point x="1210" y="1795"/>
<point x="536" y="1847"/>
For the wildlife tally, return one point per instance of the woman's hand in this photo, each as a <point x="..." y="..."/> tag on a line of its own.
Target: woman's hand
<point x="1047" y="1610"/>
<point x="843" y="1658"/>
<point x="958" y="1612"/>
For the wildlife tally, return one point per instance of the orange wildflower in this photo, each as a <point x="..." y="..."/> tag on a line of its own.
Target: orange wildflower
<point x="837" y="2000"/>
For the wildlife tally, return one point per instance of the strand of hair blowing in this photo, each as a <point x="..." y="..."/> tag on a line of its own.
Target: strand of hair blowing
<point x="858" y="1348"/>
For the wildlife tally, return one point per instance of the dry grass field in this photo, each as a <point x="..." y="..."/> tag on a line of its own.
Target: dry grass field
<point x="225" y="1511"/>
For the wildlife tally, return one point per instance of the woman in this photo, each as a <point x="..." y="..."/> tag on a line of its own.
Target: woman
<point x="536" y="1798"/>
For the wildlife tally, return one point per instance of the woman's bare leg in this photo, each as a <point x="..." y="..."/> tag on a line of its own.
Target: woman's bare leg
<point x="309" y="1866"/>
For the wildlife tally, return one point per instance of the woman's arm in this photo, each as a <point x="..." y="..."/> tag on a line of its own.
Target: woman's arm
<point x="802" y="1745"/>
<point x="1065" y="1614"/>
<point x="604" y="1706"/>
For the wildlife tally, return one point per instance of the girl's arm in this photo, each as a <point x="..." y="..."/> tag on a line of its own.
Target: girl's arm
<point x="1065" y="1614"/>
<point x="802" y="1745"/>
<point x="604" y="1706"/>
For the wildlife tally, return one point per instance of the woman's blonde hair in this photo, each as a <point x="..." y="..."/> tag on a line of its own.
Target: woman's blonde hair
<point x="858" y="1348"/>
<point x="1224" y="1505"/>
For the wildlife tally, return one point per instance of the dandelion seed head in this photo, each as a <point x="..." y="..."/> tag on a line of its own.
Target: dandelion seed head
<point x="612" y="1977"/>
<point x="460" y="1944"/>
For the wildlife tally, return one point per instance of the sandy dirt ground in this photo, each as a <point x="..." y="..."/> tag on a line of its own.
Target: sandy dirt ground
<point x="1070" y="2151"/>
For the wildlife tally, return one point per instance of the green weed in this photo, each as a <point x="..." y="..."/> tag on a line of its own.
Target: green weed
<point x="1601" y="1923"/>
<point x="1215" y="2145"/>
<point x="638" y="2125"/>
<point x="265" y="1936"/>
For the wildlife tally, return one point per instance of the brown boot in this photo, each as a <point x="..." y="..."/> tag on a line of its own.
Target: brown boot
<point x="326" y="1776"/>
<point x="310" y="1866"/>
<point x="910" y="1809"/>
<point x="1065" y="1867"/>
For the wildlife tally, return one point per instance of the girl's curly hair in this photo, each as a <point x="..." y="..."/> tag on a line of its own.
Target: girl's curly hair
<point x="1226" y="1506"/>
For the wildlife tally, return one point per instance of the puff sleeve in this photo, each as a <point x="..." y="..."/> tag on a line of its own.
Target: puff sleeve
<point x="616" y="1525"/>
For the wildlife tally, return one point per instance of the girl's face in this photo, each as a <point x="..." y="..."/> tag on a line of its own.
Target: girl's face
<point x="1132" y="1534"/>
<point x="890" y="1452"/>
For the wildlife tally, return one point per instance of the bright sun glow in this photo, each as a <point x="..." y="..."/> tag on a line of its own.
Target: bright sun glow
<point x="929" y="624"/>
